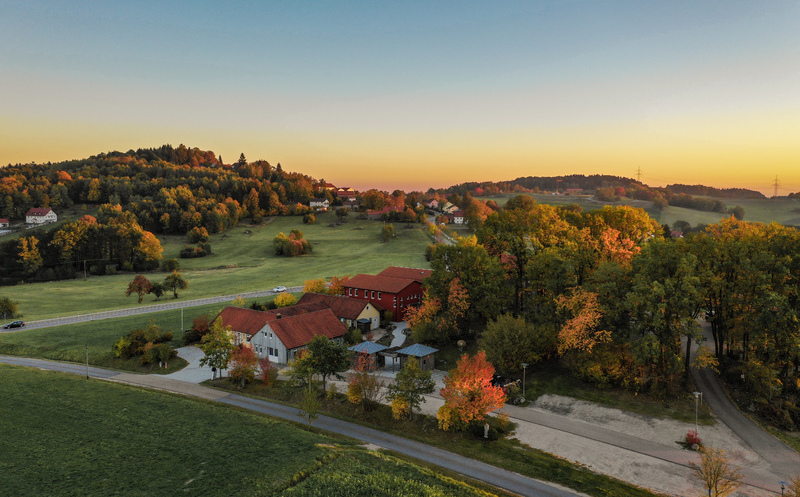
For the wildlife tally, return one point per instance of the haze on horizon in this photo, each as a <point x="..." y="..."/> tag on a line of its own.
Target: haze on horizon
<point x="416" y="94"/>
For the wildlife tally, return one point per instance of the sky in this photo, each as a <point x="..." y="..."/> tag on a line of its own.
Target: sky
<point x="415" y="94"/>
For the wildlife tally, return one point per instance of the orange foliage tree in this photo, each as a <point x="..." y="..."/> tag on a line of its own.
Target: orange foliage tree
<point x="580" y="332"/>
<point x="140" y="286"/>
<point x="336" y="284"/>
<point x="468" y="393"/>
<point x="243" y="365"/>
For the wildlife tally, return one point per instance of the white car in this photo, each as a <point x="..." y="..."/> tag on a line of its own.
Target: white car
<point x="279" y="289"/>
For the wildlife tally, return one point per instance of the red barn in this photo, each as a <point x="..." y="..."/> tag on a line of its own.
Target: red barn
<point x="397" y="289"/>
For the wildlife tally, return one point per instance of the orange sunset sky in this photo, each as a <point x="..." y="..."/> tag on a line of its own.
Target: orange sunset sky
<point x="415" y="95"/>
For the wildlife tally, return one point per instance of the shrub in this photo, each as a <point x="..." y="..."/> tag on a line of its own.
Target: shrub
<point x="309" y="219"/>
<point x="170" y="265"/>
<point x="197" y="234"/>
<point x="692" y="439"/>
<point x="400" y="408"/>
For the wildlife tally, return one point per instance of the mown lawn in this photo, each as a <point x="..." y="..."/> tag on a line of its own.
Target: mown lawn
<point x="68" y="342"/>
<point x="67" y="436"/>
<point x="241" y="262"/>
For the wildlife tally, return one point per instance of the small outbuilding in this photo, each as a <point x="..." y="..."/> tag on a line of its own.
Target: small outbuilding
<point x="423" y="354"/>
<point x="371" y="351"/>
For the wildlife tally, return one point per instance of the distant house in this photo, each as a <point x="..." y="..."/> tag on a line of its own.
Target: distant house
<point x="352" y="312"/>
<point x="433" y="204"/>
<point x="4" y="223"/>
<point x="458" y="217"/>
<point x="378" y="214"/>
<point x="319" y="203"/>
<point x="282" y="333"/>
<point x="345" y="193"/>
<point x="329" y="186"/>
<point x="351" y="203"/>
<point x="41" y="215"/>
<point x="395" y="289"/>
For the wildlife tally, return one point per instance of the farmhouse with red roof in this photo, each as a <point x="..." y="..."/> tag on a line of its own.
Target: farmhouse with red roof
<point x="281" y="333"/>
<point x="352" y="312"/>
<point x="41" y="215"/>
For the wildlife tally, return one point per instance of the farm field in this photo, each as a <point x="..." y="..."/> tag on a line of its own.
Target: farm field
<point x="241" y="262"/>
<point x="97" y="438"/>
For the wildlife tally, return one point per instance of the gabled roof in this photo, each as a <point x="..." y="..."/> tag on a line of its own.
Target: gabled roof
<point x="250" y="321"/>
<point x="409" y="273"/>
<point x="417" y="350"/>
<point x="458" y="213"/>
<point x="4" y="220"/>
<point x="297" y="331"/>
<point x="39" y="211"/>
<point x="367" y="348"/>
<point x="378" y="283"/>
<point x="343" y="307"/>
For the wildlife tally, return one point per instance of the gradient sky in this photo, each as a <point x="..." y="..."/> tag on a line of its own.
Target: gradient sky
<point x="415" y="94"/>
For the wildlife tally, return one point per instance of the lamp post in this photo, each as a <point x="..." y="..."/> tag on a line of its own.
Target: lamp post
<point x="783" y="486"/>
<point x="697" y="395"/>
<point x="524" y="368"/>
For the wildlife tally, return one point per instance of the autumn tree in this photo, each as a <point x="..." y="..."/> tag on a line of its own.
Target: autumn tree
<point x="409" y="389"/>
<point x="140" y="285"/>
<point x="29" y="254"/>
<point x="217" y="345"/>
<point x="315" y="286"/>
<point x="581" y="332"/>
<point x="468" y="393"/>
<point x="267" y="372"/>
<point x="387" y="233"/>
<point x="175" y="282"/>
<point x="363" y="385"/>
<point x="285" y="300"/>
<point x="336" y="284"/>
<point x="715" y="471"/>
<point x="243" y="365"/>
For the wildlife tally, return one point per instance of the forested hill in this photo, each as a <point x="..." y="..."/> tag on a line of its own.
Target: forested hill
<point x="595" y="182"/>
<point x="168" y="189"/>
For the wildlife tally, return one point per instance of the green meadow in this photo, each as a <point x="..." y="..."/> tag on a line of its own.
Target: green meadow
<point x="243" y="261"/>
<point x="64" y="435"/>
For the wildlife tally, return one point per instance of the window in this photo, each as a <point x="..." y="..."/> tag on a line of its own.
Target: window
<point x="379" y="295"/>
<point x="356" y="292"/>
<point x="270" y="335"/>
<point x="349" y="291"/>
<point x="373" y="294"/>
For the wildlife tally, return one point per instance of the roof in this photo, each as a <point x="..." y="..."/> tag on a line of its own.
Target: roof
<point x="417" y="350"/>
<point x="367" y="348"/>
<point x="39" y="211"/>
<point x="409" y="273"/>
<point x="458" y="213"/>
<point x="297" y="331"/>
<point x="4" y="220"/>
<point x="378" y="283"/>
<point x="343" y="307"/>
<point x="249" y="321"/>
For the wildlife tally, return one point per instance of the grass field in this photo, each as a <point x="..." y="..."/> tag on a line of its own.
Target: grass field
<point x="68" y="342"/>
<point x="65" y="436"/>
<point x="241" y="262"/>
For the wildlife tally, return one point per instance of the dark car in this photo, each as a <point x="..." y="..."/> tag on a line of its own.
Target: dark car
<point x="15" y="324"/>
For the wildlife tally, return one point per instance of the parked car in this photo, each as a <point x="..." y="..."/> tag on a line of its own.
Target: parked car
<point x="15" y="324"/>
<point x="279" y="289"/>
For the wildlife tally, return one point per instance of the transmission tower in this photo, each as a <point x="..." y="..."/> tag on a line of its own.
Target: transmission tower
<point x="776" y="185"/>
<point x="639" y="174"/>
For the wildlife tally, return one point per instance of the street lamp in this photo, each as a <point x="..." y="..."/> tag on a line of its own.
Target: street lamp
<point x="783" y="486"/>
<point x="524" y="367"/>
<point x="697" y="395"/>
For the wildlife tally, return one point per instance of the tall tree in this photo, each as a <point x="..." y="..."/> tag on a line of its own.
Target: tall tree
<point x="716" y="472"/>
<point x="468" y="393"/>
<point x="328" y="358"/>
<point x="217" y="345"/>
<point x="409" y="388"/>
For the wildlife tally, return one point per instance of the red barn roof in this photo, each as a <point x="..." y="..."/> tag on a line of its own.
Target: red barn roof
<point x="386" y="284"/>
<point x="343" y="307"/>
<point x="39" y="211"/>
<point x="408" y="273"/>
<point x="297" y="331"/>
<point x="249" y="321"/>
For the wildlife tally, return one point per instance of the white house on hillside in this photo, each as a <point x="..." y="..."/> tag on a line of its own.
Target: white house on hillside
<point x="41" y="215"/>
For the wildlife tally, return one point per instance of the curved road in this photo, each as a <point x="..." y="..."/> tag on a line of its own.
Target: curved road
<point x="501" y="478"/>
<point x="83" y="318"/>
<point x="783" y="459"/>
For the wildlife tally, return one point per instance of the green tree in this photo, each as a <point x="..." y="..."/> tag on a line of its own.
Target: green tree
<point x="217" y="345"/>
<point x="309" y="406"/>
<point x="387" y="233"/>
<point x="328" y="358"/>
<point x="341" y="213"/>
<point x="158" y="290"/>
<point x="510" y="341"/>
<point x="175" y="282"/>
<point x="8" y="308"/>
<point x="170" y="265"/>
<point x="411" y="385"/>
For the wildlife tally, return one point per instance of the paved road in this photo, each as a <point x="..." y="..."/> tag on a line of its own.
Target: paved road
<point x="783" y="459"/>
<point x="83" y="318"/>
<point x="498" y="477"/>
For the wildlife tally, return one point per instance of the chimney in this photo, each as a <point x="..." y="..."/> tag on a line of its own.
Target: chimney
<point x="278" y="316"/>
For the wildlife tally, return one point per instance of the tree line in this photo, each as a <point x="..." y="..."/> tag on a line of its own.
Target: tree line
<point x="607" y="295"/>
